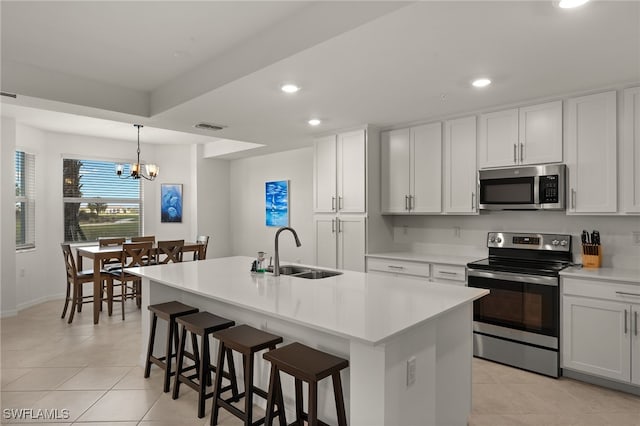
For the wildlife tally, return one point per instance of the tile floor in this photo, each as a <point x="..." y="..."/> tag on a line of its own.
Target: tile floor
<point x="92" y="371"/>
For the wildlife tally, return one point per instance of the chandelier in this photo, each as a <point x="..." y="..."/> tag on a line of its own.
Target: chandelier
<point x="136" y="168"/>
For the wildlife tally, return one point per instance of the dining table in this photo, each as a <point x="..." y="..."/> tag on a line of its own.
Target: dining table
<point x="99" y="254"/>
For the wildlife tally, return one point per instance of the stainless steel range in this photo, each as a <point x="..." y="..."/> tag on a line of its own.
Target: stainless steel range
<point x="518" y="323"/>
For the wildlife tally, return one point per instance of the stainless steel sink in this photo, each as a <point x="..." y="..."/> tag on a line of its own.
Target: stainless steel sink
<point x="305" y="272"/>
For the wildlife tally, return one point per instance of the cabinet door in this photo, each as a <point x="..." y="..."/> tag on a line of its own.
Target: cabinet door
<point x="324" y="175"/>
<point x="351" y="243"/>
<point x="594" y="339"/>
<point x="631" y="151"/>
<point x="592" y="154"/>
<point x="351" y="172"/>
<point x="540" y="128"/>
<point x="425" y="185"/>
<point x="634" y="327"/>
<point x="498" y="139"/>
<point x="395" y="157"/>
<point x="460" y="166"/>
<point x="326" y="254"/>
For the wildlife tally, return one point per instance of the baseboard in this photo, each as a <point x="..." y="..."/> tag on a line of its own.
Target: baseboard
<point x="7" y="314"/>
<point x="595" y="380"/>
<point x="39" y="300"/>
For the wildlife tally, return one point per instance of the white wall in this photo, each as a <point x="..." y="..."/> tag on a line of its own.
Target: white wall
<point x="7" y="218"/>
<point x="437" y="233"/>
<point x="247" y="205"/>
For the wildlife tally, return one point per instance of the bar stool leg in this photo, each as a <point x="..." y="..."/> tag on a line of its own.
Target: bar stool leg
<point x="337" y="392"/>
<point x="268" y="419"/>
<point x="169" y="352"/>
<point x="248" y="389"/>
<point x="152" y="339"/>
<point x="203" y="375"/>
<point x="299" y="406"/>
<point x="179" y="363"/>
<point x="232" y="373"/>
<point x="217" y="385"/>
<point x="313" y="404"/>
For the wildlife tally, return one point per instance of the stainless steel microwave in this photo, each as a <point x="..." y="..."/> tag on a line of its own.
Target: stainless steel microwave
<point x="523" y="188"/>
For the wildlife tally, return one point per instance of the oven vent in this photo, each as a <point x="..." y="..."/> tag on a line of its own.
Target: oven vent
<point x="209" y="126"/>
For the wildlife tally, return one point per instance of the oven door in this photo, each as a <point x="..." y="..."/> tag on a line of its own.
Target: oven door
<point x="519" y="307"/>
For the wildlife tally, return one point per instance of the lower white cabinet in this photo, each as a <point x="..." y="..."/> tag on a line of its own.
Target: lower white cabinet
<point x="441" y="273"/>
<point x="600" y="329"/>
<point x="340" y="242"/>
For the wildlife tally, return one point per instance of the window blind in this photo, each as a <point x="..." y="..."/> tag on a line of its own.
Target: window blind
<point x="25" y="165"/>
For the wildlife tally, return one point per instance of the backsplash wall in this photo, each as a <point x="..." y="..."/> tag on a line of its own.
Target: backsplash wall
<point x="466" y="235"/>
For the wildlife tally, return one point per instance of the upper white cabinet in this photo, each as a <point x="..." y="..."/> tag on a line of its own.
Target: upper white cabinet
<point x="460" y="166"/>
<point x="519" y="136"/>
<point x="412" y="170"/>
<point x="339" y="173"/>
<point x="592" y="154"/>
<point x="631" y="151"/>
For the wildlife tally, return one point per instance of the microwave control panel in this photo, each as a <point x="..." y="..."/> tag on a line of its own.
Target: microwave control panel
<point x="549" y="189"/>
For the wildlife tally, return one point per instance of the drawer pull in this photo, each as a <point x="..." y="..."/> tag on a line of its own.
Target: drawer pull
<point x="624" y="293"/>
<point x="447" y="273"/>
<point x="395" y="267"/>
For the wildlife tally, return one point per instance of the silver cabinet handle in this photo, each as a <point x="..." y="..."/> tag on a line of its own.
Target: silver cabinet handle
<point x="447" y="273"/>
<point x="521" y="152"/>
<point x="625" y="321"/>
<point x="406" y="202"/>
<point x="338" y="225"/>
<point x="395" y="267"/>
<point x="624" y="293"/>
<point x="333" y="226"/>
<point x="515" y="152"/>
<point x="340" y="203"/>
<point x="635" y="316"/>
<point x="573" y="198"/>
<point x="473" y="204"/>
<point x="333" y="203"/>
<point x="412" y="202"/>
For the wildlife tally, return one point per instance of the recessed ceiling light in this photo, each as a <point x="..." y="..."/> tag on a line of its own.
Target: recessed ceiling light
<point x="570" y="4"/>
<point x="481" y="82"/>
<point x="314" y="122"/>
<point x="289" y="88"/>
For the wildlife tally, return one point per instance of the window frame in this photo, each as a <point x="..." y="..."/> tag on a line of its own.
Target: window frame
<point x="27" y="198"/>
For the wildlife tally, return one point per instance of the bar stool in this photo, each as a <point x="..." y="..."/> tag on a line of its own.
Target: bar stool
<point x="246" y="340"/>
<point x="310" y="365"/>
<point x="168" y="311"/>
<point x="201" y="324"/>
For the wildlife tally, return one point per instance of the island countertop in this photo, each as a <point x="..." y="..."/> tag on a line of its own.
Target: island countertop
<point x="367" y="307"/>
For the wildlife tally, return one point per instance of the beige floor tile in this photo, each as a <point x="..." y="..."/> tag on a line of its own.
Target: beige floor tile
<point x="134" y="379"/>
<point x="42" y="379"/>
<point x="169" y="410"/>
<point x="95" y="378"/>
<point x="109" y="423"/>
<point x="20" y="399"/>
<point x="8" y="375"/>
<point x="68" y="404"/>
<point x="122" y="405"/>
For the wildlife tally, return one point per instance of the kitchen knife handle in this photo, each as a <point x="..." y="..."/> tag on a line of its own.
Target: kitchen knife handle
<point x="515" y="152"/>
<point x="521" y="152"/>
<point x="625" y="321"/>
<point x="573" y="198"/>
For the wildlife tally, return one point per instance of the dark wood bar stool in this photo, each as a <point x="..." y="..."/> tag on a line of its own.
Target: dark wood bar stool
<point x="309" y="365"/>
<point x="168" y="311"/>
<point x="201" y="324"/>
<point x="247" y="341"/>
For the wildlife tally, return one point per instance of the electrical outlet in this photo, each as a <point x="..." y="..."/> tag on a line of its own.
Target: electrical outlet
<point x="635" y="238"/>
<point x="411" y="371"/>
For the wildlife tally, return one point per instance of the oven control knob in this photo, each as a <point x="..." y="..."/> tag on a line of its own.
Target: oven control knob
<point x="555" y="243"/>
<point x="563" y="243"/>
<point x="498" y="240"/>
<point x="492" y="239"/>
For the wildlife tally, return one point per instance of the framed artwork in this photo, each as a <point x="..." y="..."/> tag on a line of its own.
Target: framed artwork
<point x="171" y="202"/>
<point x="277" y="203"/>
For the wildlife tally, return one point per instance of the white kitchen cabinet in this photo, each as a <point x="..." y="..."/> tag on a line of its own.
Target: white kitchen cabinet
<point x="591" y="154"/>
<point x="631" y="151"/>
<point x="395" y="267"/>
<point x="521" y="136"/>
<point x="339" y="173"/>
<point x="460" y="178"/>
<point x="340" y="242"/>
<point x="412" y="170"/>
<point x="601" y="329"/>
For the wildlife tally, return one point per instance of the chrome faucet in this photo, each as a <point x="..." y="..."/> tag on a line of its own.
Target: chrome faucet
<point x="276" y="263"/>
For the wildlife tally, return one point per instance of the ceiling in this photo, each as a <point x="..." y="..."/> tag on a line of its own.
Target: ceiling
<point x="95" y="68"/>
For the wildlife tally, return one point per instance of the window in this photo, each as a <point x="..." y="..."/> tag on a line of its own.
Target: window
<point x="97" y="203"/>
<point x="25" y="200"/>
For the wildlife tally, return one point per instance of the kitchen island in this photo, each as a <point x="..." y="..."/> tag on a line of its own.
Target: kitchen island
<point x="409" y="342"/>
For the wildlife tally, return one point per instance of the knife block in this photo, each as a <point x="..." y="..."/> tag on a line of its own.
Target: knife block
<point x="591" y="255"/>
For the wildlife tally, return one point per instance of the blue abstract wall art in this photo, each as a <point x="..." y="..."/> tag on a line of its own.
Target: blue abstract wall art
<point x="170" y="202"/>
<point x="277" y="203"/>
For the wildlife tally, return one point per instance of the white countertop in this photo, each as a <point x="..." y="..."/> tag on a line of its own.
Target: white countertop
<point x="355" y="305"/>
<point x="630" y="276"/>
<point x="428" y="258"/>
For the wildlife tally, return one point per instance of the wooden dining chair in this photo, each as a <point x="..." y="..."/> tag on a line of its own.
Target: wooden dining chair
<point x="169" y="251"/>
<point x="204" y="240"/>
<point x="75" y="280"/>
<point x="133" y="254"/>
<point x="143" y="238"/>
<point x="111" y="242"/>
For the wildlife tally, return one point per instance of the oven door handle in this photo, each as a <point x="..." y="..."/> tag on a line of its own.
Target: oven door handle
<point x="510" y="276"/>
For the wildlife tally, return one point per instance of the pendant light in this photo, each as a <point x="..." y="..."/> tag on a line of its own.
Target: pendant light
<point x="136" y="168"/>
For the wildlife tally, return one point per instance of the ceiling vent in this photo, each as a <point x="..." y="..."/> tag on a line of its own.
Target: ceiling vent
<point x="209" y="126"/>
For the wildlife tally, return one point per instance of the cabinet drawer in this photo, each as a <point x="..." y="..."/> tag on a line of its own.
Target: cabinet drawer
<point x="398" y="267"/>
<point x="601" y="290"/>
<point x="449" y="272"/>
